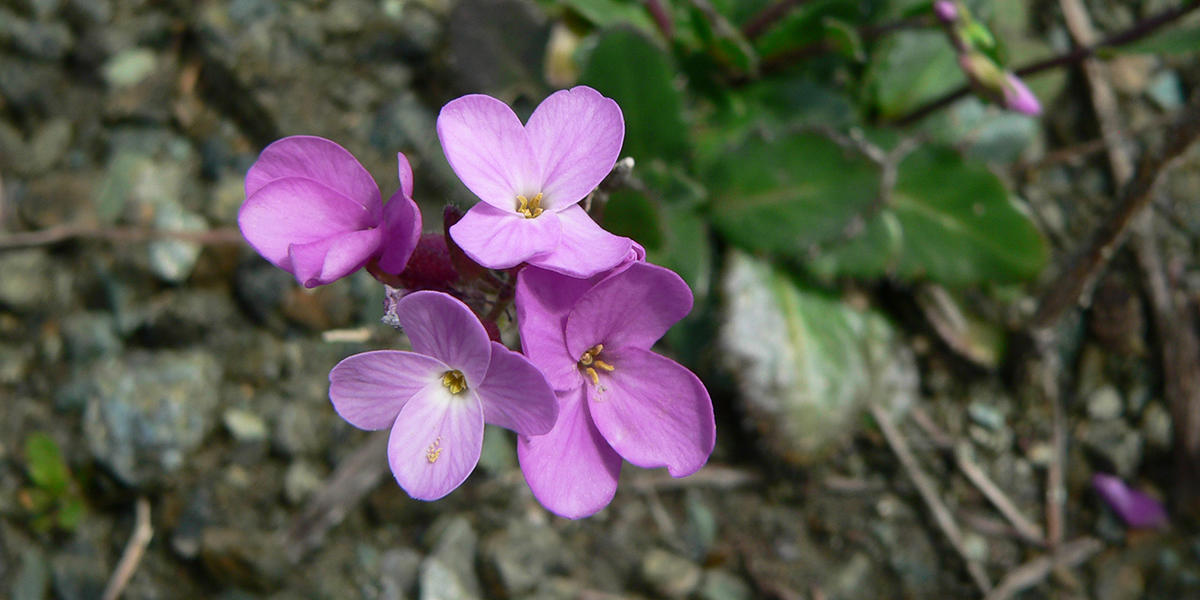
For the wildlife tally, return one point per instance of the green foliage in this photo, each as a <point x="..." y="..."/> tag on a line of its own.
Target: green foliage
<point x="911" y="68"/>
<point x="54" y="501"/>
<point x="1182" y="40"/>
<point x="649" y="98"/>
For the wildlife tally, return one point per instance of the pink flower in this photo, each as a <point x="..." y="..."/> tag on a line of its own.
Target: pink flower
<point x="531" y="178"/>
<point x="617" y="399"/>
<point x="436" y="398"/>
<point x="1137" y="509"/>
<point x="312" y="210"/>
<point x="1018" y="97"/>
<point x="946" y="10"/>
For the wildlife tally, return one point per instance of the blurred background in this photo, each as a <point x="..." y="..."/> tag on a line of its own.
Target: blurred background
<point x="951" y="345"/>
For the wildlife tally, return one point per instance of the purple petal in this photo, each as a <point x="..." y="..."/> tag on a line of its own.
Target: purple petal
<point x="317" y="159"/>
<point x="653" y="411"/>
<point x="436" y="441"/>
<point x="946" y="10"/>
<point x="401" y="231"/>
<point x="584" y="248"/>
<point x="405" y="173"/>
<point x="572" y="471"/>
<point x="488" y="149"/>
<point x="295" y="210"/>
<point x="500" y="240"/>
<point x="1137" y="509"/>
<point x="633" y="309"/>
<point x="543" y="300"/>
<point x="1018" y="97"/>
<point x="369" y="389"/>
<point x="515" y="395"/>
<point x="441" y="326"/>
<point x="325" y="261"/>
<point x="576" y="135"/>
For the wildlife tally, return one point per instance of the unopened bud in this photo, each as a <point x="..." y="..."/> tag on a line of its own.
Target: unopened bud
<point x="946" y="10"/>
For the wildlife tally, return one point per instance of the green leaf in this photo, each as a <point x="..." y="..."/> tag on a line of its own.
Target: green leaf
<point x="638" y="75"/>
<point x="949" y="221"/>
<point x="1178" y="40"/>
<point x="610" y="13"/>
<point x="910" y="68"/>
<point x="629" y="213"/>
<point x="70" y="513"/>
<point x="787" y="194"/>
<point x="805" y="363"/>
<point x="45" y="464"/>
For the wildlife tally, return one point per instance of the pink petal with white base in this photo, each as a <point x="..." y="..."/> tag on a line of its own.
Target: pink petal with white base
<point x="653" y="411"/>
<point x="515" y="395"/>
<point x="325" y="261"/>
<point x="443" y="327"/>
<point x="436" y="441"/>
<point x="369" y="389"/>
<point x="500" y="240"/>
<point x="296" y="210"/>
<point x="585" y="249"/>
<point x="571" y="470"/>
<point x="576" y="135"/>
<point x="318" y="159"/>
<point x="486" y="146"/>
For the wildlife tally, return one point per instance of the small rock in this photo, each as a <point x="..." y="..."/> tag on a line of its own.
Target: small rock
<point x="42" y="40"/>
<point x="986" y="415"/>
<point x="90" y="335"/>
<point x="173" y="260"/>
<point x="1104" y="403"/>
<point x="244" y="426"/>
<point x="146" y="411"/>
<point x="243" y="558"/>
<point x="670" y="575"/>
<point x="1165" y="90"/>
<point x="33" y="577"/>
<point x="723" y="585"/>
<point x="32" y="282"/>
<point x="1119" y="444"/>
<point x="300" y="481"/>
<point x="448" y="573"/>
<point x="1156" y="426"/>
<point x="399" y="567"/>
<point x="524" y="554"/>
<point x="298" y="430"/>
<point x="129" y="67"/>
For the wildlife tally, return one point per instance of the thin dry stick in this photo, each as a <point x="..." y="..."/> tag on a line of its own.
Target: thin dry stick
<point x="1071" y="554"/>
<point x="358" y="474"/>
<point x="63" y="233"/>
<point x="1024" y="527"/>
<point x="941" y="514"/>
<point x="135" y="548"/>
<point x="1078" y="278"/>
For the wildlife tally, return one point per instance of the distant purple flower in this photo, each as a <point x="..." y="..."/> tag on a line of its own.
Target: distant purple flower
<point x="436" y="398"/>
<point x="946" y="10"/>
<point x="531" y="177"/>
<point x="1018" y="97"/>
<point x="312" y="210"/>
<point x="1137" y="509"/>
<point x="617" y="399"/>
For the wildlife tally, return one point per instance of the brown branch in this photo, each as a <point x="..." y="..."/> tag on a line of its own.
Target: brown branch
<point x="1077" y="279"/>
<point x="1071" y="554"/>
<point x="1023" y="526"/>
<point x="1135" y="32"/>
<point x="135" y="548"/>
<point x="941" y="514"/>
<point x="64" y="233"/>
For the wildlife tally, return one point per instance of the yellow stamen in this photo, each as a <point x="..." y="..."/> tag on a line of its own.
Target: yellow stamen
<point x="530" y="208"/>
<point x="590" y="361"/>
<point x="434" y="451"/>
<point x="454" y="381"/>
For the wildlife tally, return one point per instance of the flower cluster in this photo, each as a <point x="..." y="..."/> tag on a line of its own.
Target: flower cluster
<point x="586" y="393"/>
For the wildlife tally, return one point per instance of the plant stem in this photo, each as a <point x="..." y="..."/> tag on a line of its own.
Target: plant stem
<point x="1135" y="32"/>
<point x="760" y="23"/>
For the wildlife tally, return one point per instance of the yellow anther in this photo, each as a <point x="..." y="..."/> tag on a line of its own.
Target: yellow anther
<point x="590" y="361"/>
<point x="434" y="451"/>
<point x="530" y="208"/>
<point x="454" y="381"/>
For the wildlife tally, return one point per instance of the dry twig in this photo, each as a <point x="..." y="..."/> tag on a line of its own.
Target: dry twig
<point x="135" y="548"/>
<point x="1031" y="573"/>
<point x="925" y="487"/>
<point x="1026" y="528"/>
